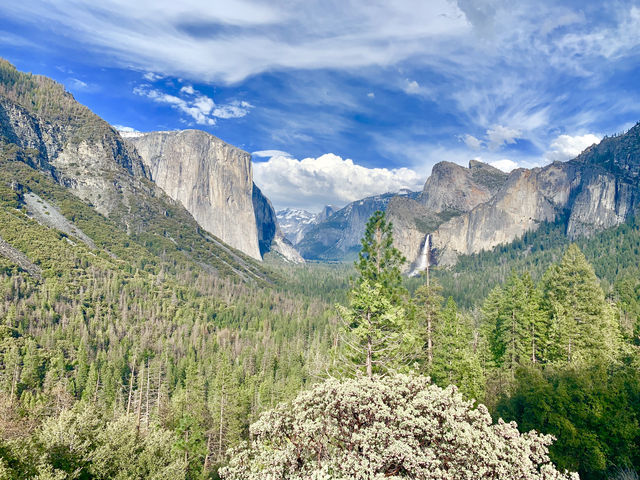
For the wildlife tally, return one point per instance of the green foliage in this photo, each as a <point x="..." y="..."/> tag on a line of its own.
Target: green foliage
<point x="379" y="261"/>
<point x="516" y="325"/>
<point x="593" y="411"/>
<point x="581" y="323"/>
<point x="378" y="334"/>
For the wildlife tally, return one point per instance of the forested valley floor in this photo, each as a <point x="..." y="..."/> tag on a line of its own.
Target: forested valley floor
<point x="133" y="360"/>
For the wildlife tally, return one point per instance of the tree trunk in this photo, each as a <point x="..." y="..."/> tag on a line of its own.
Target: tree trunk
<point x="133" y="373"/>
<point x="148" y="384"/>
<point x="221" y="424"/>
<point x="369" y="357"/>
<point x="139" y="403"/>
<point x="429" y="341"/>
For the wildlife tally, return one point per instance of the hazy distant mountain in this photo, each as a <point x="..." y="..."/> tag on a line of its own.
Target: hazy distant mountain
<point x="338" y="236"/>
<point x="295" y="222"/>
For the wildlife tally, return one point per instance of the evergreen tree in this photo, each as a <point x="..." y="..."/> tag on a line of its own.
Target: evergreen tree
<point x="376" y="338"/>
<point x="427" y="306"/>
<point x="454" y="362"/>
<point x="516" y="327"/>
<point x="581" y="322"/>
<point x="379" y="261"/>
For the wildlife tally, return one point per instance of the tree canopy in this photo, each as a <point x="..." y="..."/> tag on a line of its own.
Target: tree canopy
<point x="388" y="428"/>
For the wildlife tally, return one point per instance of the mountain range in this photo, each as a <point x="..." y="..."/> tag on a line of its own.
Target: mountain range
<point x="191" y="192"/>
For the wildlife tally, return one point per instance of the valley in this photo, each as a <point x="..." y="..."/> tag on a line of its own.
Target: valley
<point x="159" y="318"/>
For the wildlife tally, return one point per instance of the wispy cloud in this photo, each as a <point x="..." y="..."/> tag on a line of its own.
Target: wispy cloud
<point x="240" y="38"/>
<point x="270" y="153"/>
<point x="438" y="80"/>
<point x="202" y="109"/>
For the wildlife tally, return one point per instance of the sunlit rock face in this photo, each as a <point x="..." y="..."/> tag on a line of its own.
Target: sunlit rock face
<point x="212" y="179"/>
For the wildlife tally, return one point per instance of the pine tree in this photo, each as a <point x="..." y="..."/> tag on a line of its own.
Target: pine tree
<point x="427" y="304"/>
<point x="453" y="359"/>
<point x="379" y="334"/>
<point x="514" y="323"/>
<point x="375" y="339"/>
<point x="581" y="322"/>
<point x="379" y="261"/>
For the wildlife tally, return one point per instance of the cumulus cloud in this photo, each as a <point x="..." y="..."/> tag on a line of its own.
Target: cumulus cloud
<point x="371" y="95"/>
<point x="127" y="132"/>
<point x="125" y="129"/>
<point x="566" y="147"/>
<point x="504" y="164"/>
<point x="312" y="183"/>
<point x="202" y="109"/>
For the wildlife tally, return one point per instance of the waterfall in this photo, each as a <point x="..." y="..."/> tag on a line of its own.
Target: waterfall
<point x="423" y="261"/>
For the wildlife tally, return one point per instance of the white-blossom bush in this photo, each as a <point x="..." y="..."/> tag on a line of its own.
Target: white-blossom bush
<point x="388" y="428"/>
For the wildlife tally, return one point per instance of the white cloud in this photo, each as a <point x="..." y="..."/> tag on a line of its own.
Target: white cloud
<point x="504" y="164"/>
<point x="127" y="132"/>
<point x="566" y="147"/>
<point x="312" y="183"/>
<point x="202" y="109"/>
<point x="235" y="109"/>
<point x="472" y="142"/>
<point x="125" y="129"/>
<point x="371" y="95"/>
<point x="239" y="38"/>
<point x="152" y="77"/>
<point x="270" y="153"/>
<point x="77" y="84"/>
<point x="500" y="135"/>
<point x="412" y="87"/>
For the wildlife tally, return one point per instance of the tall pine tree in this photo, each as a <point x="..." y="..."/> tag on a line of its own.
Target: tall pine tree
<point x="582" y="325"/>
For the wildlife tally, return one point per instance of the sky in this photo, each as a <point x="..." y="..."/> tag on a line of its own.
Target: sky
<point x="338" y="100"/>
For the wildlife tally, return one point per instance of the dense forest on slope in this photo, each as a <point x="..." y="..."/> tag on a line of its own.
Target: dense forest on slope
<point x="120" y="328"/>
<point x="118" y="342"/>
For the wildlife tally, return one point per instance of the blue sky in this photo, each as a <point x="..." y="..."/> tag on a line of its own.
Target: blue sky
<point x="342" y="99"/>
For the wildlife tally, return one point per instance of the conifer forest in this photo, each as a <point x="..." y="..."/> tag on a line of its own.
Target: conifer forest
<point x="297" y="240"/>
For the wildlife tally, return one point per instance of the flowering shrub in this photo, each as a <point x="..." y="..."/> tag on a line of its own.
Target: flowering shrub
<point x="388" y="428"/>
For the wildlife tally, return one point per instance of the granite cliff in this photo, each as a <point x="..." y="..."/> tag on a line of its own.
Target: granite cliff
<point x="598" y="189"/>
<point x="210" y="178"/>
<point x="270" y="236"/>
<point x="43" y="127"/>
<point x="214" y="182"/>
<point x="450" y="191"/>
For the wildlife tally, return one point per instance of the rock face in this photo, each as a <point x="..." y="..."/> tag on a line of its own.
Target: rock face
<point x="212" y="179"/>
<point x="95" y="163"/>
<point x="452" y="187"/>
<point x="450" y="191"/>
<point x="270" y="236"/>
<point x="597" y="190"/>
<point x="338" y="236"/>
<point x="527" y="198"/>
<point x="44" y="127"/>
